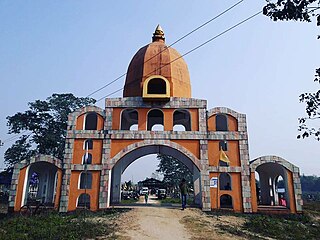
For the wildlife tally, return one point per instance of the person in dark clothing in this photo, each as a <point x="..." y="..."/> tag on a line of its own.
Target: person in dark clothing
<point x="184" y="192"/>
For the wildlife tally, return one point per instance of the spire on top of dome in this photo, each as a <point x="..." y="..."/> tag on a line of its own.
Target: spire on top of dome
<point x="158" y="34"/>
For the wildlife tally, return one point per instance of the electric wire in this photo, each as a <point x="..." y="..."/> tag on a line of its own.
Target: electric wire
<point x="194" y="49"/>
<point x="13" y="137"/>
<point x="181" y="38"/>
<point x="185" y="54"/>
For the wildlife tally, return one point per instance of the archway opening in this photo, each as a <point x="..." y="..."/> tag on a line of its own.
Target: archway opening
<point x="41" y="182"/>
<point x="271" y="185"/>
<point x="172" y="191"/>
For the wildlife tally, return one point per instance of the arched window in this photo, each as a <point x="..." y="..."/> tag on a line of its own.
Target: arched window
<point x="226" y="201"/>
<point x="87" y="158"/>
<point x="157" y="86"/>
<point x="84" y="201"/>
<point x="129" y="119"/>
<point x="86" y="180"/>
<point x="91" y="121"/>
<point x="88" y="144"/>
<point x="155" y="117"/>
<point x="221" y="122"/>
<point x="225" y="181"/>
<point x="223" y="144"/>
<point x="182" y="117"/>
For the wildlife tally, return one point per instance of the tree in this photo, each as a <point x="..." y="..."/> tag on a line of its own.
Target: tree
<point x="173" y="171"/>
<point x="43" y="127"/>
<point x="300" y="10"/>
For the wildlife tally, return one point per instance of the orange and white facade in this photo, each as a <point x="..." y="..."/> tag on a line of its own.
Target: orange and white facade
<point x="157" y="115"/>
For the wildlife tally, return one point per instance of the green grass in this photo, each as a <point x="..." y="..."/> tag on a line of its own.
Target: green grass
<point x="283" y="227"/>
<point x="176" y="201"/>
<point x="78" y="225"/>
<point x="128" y="201"/>
<point x="293" y="226"/>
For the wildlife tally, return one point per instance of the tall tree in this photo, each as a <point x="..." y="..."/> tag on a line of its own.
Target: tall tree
<point x="173" y="171"/>
<point x="43" y="127"/>
<point x="300" y="10"/>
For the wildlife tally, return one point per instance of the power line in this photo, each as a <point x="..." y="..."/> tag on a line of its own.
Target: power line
<point x="12" y="138"/>
<point x="194" y="49"/>
<point x="181" y="38"/>
<point x="109" y="94"/>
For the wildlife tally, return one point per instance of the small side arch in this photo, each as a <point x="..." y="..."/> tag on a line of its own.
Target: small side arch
<point x="49" y="179"/>
<point x="269" y="168"/>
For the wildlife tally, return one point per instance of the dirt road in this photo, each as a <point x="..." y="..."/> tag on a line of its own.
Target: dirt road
<point x="152" y="221"/>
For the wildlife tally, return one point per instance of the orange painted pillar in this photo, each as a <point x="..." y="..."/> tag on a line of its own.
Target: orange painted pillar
<point x="58" y="189"/>
<point x="168" y="120"/>
<point x="142" y="119"/>
<point x="254" y="200"/>
<point x="291" y="193"/>
<point x="214" y="193"/>
<point x="19" y="191"/>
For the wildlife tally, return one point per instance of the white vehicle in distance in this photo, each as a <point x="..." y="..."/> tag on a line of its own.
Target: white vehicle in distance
<point x="144" y="190"/>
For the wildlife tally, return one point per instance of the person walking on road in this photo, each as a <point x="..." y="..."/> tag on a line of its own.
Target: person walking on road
<point x="146" y="196"/>
<point x="184" y="192"/>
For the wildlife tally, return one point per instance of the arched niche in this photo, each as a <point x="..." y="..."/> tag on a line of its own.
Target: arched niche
<point x="83" y="201"/>
<point x="225" y="181"/>
<point x="181" y="117"/>
<point x="91" y="121"/>
<point x="88" y="144"/>
<point x="85" y="180"/>
<point x="155" y="117"/>
<point x="156" y="87"/>
<point x="221" y="122"/>
<point x="129" y="118"/>
<point x="226" y="201"/>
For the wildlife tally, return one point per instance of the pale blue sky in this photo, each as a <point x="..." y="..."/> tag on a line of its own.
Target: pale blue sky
<point x="259" y="68"/>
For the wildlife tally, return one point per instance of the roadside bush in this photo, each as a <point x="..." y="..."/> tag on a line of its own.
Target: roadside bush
<point x="283" y="227"/>
<point x="52" y="226"/>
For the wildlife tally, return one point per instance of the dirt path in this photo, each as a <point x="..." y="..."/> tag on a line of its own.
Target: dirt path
<point x="151" y="221"/>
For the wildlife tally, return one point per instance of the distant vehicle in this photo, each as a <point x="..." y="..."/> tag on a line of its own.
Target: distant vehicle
<point x="144" y="190"/>
<point x="161" y="194"/>
<point x="125" y="195"/>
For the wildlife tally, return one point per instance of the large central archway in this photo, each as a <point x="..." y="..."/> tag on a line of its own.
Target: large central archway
<point x="122" y="162"/>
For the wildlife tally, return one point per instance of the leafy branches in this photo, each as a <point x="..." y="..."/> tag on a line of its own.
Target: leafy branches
<point x="312" y="101"/>
<point x="45" y="123"/>
<point x="173" y="170"/>
<point x="300" y="10"/>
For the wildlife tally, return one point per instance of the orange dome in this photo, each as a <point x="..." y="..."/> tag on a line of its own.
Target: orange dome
<point x="156" y="66"/>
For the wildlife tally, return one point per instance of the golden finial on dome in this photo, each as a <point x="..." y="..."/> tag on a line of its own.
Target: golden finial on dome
<point x="158" y="34"/>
